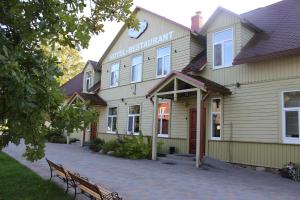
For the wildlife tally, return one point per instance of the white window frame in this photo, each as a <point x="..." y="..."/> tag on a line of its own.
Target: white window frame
<point x="222" y="45"/>
<point x="134" y="116"/>
<point x="289" y="140"/>
<point x="90" y="79"/>
<point x="112" y="116"/>
<point x="159" y="134"/>
<point x="163" y="57"/>
<point x="116" y="84"/>
<point x="140" y="65"/>
<point x="211" y="118"/>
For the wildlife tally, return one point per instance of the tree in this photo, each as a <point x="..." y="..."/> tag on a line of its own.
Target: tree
<point x="29" y="90"/>
<point x="69" y="61"/>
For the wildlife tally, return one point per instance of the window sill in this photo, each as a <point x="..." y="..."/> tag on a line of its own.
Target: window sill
<point x="161" y="76"/>
<point x="162" y="135"/>
<point x="221" y="67"/>
<point x="113" y="86"/>
<point x="215" y="138"/>
<point x="135" y="81"/>
<point x="291" y="140"/>
<point x="111" y="132"/>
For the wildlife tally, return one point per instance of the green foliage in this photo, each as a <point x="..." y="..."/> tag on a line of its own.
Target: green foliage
<point x="73" y="117"/>
<point x="111" y="145"/>
<point x="134" y="147"/>
<point x="29" y="91"/>
<point x="131" y="147"/>
<point x="70" y="61"/>
<point x="57" y="139"/>
<point x="96" y="145"/>
<point x="18" y="182"/>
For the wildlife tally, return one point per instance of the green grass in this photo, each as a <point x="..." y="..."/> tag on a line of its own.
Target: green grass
<point x="20" y="183"/>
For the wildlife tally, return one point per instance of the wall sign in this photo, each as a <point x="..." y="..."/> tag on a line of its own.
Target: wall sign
<point x="137" y="33"/>
<point x="142" y="45"/>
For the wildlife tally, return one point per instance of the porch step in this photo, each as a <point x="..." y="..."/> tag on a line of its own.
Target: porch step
<point x="174" y="159"/>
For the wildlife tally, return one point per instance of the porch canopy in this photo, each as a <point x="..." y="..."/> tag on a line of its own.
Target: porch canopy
<point x="90" y="98"/>
<point x="179" y="85"/>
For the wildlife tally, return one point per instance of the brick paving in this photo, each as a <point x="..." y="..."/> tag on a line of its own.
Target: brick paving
<point x="152" y="180"/>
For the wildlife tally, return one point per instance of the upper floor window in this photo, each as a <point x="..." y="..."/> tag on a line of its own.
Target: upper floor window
<point x="88" y="80"/>
<point x="136" y="70"/>
<point x="291" y="117"/>
<point x="112" y="119"/>
<point x="163" y="119"/>
<point x="223" y="48"/>
<point x="163" y="61"/>
<point x="114" y="75"/>
<point x="134" y="114"/>
<point x="216" y="118"/>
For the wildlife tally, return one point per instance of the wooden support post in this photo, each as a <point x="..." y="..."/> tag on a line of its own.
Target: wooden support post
<point x="199" y="97"/>
<point x="175" y="89"/>
<point x="154" y="129"/>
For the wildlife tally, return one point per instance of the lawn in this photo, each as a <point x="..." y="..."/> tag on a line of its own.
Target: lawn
<point x="19" y="183"/>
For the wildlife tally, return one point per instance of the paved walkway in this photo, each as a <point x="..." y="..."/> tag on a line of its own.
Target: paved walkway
<point x="152" y="180"/>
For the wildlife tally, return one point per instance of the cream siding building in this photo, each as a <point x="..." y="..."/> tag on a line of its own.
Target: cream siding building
<point x="230" y="65"/>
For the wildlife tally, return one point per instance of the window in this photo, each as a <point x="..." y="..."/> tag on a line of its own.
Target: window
<point x="112" y="119"/>
<point x="222" y="48"/>
<point x="134" y="114"/>
<point x="114" y="75"/>
<point x="216" y="119"/>
<point x="163" y="119"/>
<point x="136" y="69"/>
<point x="291" y="117"/>
<point x="163" y="61"/>
<point x="88" y="80"/>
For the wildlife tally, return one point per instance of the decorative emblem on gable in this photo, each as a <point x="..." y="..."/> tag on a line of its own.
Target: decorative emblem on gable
<point x="137" y="33"/>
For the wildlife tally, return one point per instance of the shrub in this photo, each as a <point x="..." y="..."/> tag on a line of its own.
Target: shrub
<point x="57" y="139"/>
<point x="111" y="145"/>
<point x="96" y="145"/>
<point x="291" y="171"/>
<point x="134" y="147"/>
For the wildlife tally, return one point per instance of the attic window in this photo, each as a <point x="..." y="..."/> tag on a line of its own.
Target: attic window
<point x="88" y="80"/>
<point x="223" y="48"/>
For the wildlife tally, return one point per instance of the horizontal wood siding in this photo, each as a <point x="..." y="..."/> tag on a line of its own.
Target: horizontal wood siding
<point x="179" y="144"/>
<point x="273" y="155"/>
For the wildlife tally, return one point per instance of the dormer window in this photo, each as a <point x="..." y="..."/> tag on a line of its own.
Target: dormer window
<point x="88" y="80"/>
<point x="223" y="48"/>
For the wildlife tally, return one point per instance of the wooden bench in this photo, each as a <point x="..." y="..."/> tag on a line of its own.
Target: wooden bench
<point x="57" y="170"/>
<point x="91" y="190"/>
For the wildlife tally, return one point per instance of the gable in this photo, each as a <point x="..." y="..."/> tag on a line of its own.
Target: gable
<point x="222" y="20"/>
<point x="158" y="31"/>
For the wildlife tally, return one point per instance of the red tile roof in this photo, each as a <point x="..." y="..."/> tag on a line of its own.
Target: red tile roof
<point x="280" y="35"/>
<point x="196" y="63"/>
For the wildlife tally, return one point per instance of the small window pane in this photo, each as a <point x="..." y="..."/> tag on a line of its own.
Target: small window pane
<point x="136" y="124"/>
<point x="114" y="125"/>
<point x="159" y="66"/>
<point x="216" y="126"/>
<point x="109" y="124"/>
<point x="217" y="55"/>
<point x="134" y="109"/>
<point x="166" y="65"/>
<point x="292" y="99"/>
<point x="163" y="51"/>
<point x="134" y="73"/>
<point x="292" y="124"/>
<point x="216" y="107"/>
<point x="112" y="111"/>
<point x="228" y="53"/>
<point x="130" y="122"/>
<point x="223" y="35"/>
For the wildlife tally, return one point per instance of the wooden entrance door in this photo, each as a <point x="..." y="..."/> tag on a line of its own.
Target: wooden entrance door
<point x="93" y="131"/>
<point x="193" y="130"/>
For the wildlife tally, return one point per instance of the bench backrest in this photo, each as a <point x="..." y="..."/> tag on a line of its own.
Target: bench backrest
<point x="57" y="167"/>
<point x="86" y="184"/>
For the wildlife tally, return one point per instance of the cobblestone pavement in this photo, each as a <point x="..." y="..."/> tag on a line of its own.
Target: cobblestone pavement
<point x="152" y="180"/>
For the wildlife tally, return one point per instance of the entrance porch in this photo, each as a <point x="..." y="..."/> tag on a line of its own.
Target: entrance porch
<point x="175" y="87"/>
